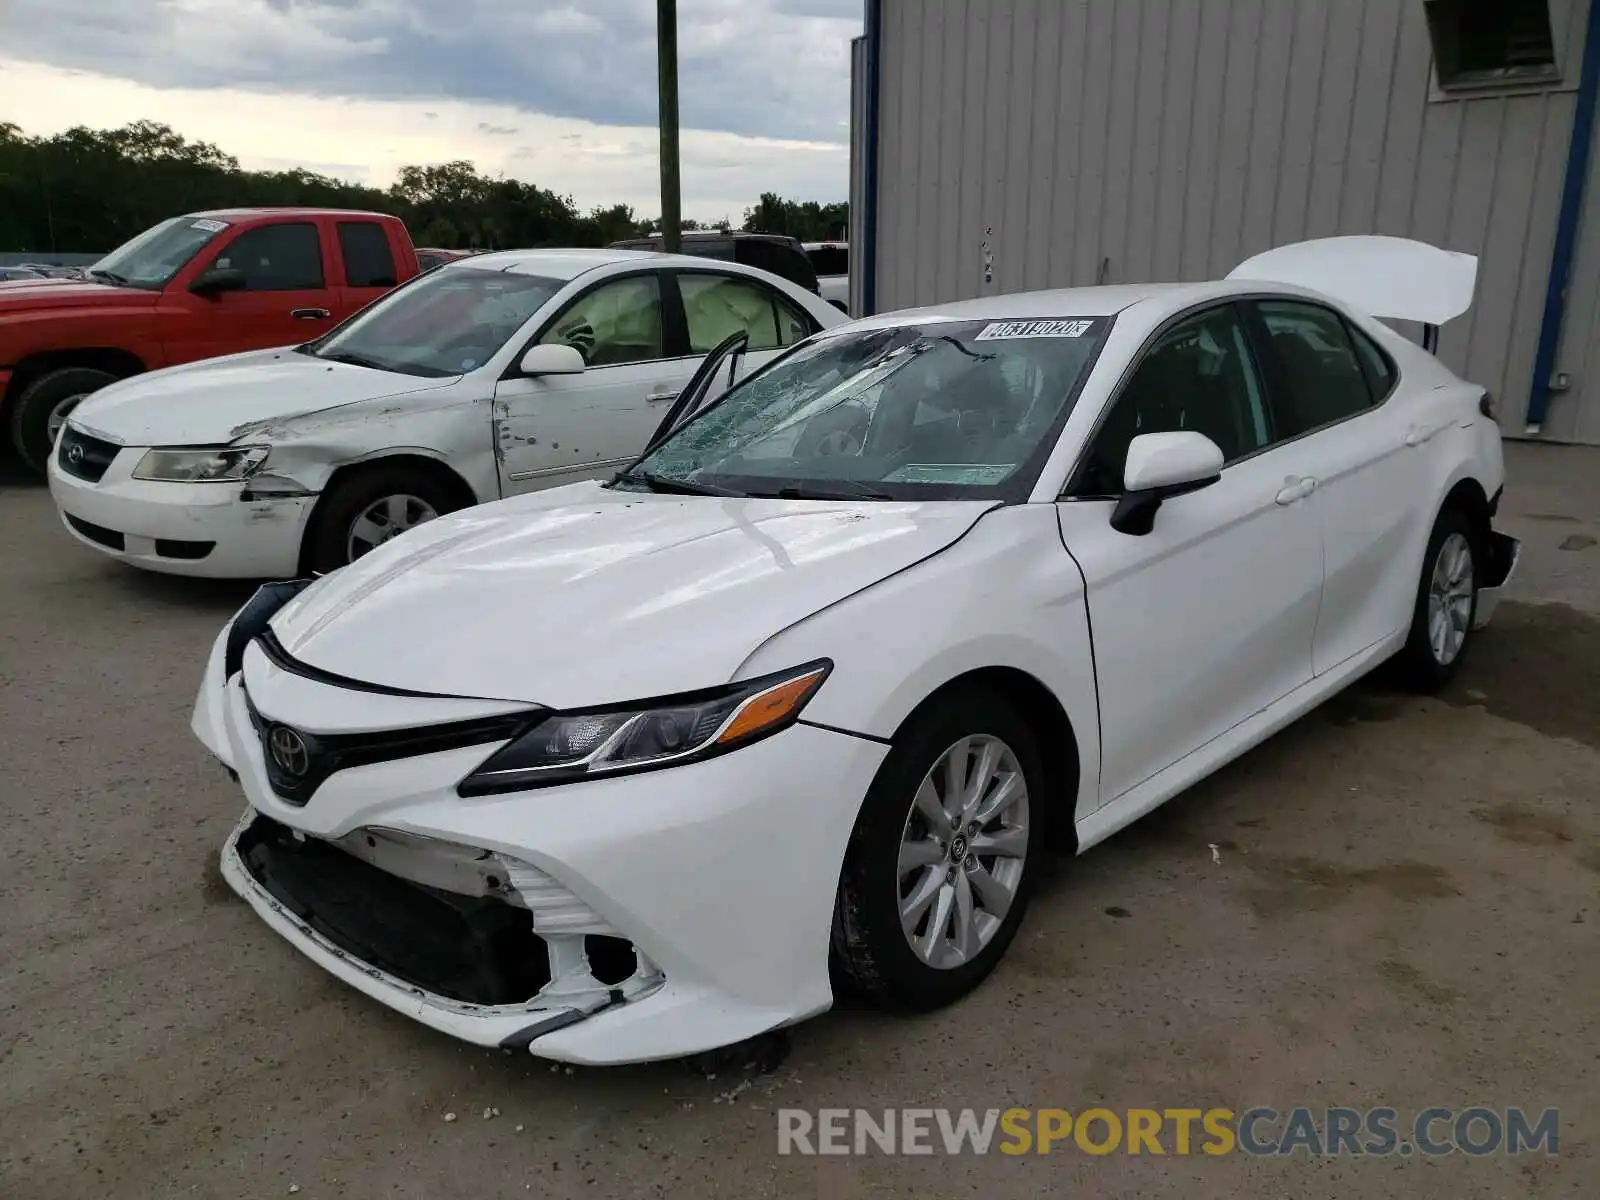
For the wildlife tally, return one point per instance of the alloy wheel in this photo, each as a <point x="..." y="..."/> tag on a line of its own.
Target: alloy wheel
<point x="386" y="518"/>
<point x="1450" y="599"/>
<point x="962" y="851"/>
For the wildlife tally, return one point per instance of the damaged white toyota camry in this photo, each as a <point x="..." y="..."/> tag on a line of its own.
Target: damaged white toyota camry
<point x="630" y="771"/>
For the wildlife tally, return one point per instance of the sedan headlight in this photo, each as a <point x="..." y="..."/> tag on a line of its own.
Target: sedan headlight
<point x="201" y="464"/>
<point x="564" y="747"/>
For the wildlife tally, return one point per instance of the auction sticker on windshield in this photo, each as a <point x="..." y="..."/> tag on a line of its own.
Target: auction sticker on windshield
<point x="207" y="224"/>
<point x="974" y="473"/>
<point x="1056" y="328"/>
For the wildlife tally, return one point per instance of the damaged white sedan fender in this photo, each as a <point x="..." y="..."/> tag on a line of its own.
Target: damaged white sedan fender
<point x="628" y="771"/>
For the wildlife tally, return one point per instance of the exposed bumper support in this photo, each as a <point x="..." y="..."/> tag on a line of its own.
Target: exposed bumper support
<point x="1504" y="551"/>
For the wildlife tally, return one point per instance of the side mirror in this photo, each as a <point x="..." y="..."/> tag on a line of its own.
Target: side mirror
<point x="552" y="360"/>
<point x="218" y="280"/>
<point x="1161" y="465"/>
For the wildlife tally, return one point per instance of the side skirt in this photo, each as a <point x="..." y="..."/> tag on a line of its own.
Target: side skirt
<point x="1223" y="749"/>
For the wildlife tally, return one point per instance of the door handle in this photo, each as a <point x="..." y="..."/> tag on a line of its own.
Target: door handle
<point x="660" y="397"/>
<point x="1415" y="436"/>
<point x="1299" y="489"/>
<point x="310" y="314"/>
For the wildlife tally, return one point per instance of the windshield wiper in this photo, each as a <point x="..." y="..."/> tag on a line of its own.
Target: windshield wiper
<point x="109" y="276"/>
<point x="352" y="359"/>
<point x="680" y="487"/>
<point x="837" y="489"/>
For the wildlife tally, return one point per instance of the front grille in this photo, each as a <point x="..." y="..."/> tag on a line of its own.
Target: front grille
<point x="109" y="538"/>
<point x="302" y="762"/>
<point x="85" y="456"/>
<point x="467" y="948"/>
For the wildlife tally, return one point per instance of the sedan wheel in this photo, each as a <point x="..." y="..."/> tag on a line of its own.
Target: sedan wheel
<point x="939" y="866"/>
<point x="386" y="518"/>
<point x="1447" y="600"/>
<point x="1450" y="599"/>
<point x="963" y="851"/>
<point x="373" y="505"/>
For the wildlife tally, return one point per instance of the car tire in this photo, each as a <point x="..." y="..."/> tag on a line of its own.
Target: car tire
<point x="1447" y="591"/>
<point x="52" y="395"/>
<point x="873" y="954"/>
<point x="372" y="493"/>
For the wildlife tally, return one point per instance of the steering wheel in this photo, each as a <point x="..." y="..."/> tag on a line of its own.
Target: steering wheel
<point x="839" y="432"/>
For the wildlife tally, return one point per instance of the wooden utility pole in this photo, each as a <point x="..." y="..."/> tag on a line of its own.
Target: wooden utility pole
<point x="667" y="79"/>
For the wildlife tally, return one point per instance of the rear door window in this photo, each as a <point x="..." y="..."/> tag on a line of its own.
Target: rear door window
<point x="715" y="306"/>
<point x="1316" y="375"/>
<point x="368" y="260"/>
<point x="1375" y="364"/>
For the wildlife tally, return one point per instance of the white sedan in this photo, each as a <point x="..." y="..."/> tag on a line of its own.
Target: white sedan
<point x="619" y="771"/>
<point x="491" y="376"/>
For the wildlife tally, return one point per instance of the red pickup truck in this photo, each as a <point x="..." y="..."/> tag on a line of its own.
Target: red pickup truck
<point x="195" y="286"/>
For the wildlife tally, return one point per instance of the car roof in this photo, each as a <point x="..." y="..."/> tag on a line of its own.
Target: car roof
<point x="287" y="210"/>
<point x="569" y="264"/>
<point x="1102" y="301"/>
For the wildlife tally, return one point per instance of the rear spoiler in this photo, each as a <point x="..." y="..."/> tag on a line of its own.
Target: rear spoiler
<point x="1380" y="276"/>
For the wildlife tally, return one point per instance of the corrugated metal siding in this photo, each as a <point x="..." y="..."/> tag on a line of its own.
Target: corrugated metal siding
<point x="1574" y="415"/>
<point x="1071" y="141"/>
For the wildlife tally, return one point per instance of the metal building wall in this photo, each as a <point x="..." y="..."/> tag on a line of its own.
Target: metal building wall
<point x="1076" y="141"/>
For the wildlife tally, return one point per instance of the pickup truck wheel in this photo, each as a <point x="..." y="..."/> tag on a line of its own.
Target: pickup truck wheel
<point x="941" y="862"/>
<point x="366" y="509"/>
<point x="39" y="411"/>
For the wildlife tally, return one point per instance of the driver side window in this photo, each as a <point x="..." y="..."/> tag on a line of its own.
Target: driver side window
<point x="1198" y="376"/>
<point x="616" y="323"/>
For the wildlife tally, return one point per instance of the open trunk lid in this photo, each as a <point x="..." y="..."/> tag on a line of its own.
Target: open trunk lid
<point x="1390" y="277"/>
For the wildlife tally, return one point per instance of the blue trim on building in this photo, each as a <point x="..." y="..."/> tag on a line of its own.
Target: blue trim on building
<point x="867" y="254"/>
<point x="1566" y="247"/>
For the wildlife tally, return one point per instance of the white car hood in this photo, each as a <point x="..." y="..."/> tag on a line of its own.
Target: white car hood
<point x="217" y="400"/>
<point x="582" y="595"/>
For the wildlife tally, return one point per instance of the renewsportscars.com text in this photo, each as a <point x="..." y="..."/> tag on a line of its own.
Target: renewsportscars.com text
<point x="1334" y="1131"/>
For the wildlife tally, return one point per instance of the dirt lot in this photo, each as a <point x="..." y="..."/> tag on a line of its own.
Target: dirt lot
<point x="1401" y="910"/>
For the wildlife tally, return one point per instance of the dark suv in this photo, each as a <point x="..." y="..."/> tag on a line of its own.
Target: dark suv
<point x="783" y="256"/>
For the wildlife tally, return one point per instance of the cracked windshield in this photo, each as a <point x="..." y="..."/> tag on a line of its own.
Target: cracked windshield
<point x="957" y="409"/>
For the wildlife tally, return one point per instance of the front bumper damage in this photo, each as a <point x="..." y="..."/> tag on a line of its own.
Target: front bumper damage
<point x="514" y="959"/>
<point x="623" y="919"/>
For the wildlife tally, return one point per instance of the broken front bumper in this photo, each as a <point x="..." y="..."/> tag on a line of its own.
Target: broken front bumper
<point x="720" y="875"/>
<point x="469" y="966"/>
<point x="1503" y="554"/>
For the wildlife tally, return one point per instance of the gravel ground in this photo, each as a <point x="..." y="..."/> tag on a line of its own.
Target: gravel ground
<point x="1392" y="903"/>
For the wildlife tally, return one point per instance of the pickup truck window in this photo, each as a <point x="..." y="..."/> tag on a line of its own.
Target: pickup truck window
<point x="277" y="258"/>
<point x="448" y="322"/>
<point x="368" y="261"/>
<point x="156" y="255"/>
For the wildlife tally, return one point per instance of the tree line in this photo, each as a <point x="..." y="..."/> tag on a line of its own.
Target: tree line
<point x="89" y="190"/>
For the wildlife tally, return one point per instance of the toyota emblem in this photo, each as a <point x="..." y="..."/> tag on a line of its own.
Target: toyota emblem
<point x="289" y="751"/>
<point x="75" y="454"/>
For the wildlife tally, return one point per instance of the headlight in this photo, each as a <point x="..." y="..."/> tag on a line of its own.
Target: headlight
<point x="201" y="464"/>
<point x="565" y="747"/>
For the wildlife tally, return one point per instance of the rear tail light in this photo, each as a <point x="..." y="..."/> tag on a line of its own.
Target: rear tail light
<point x="1486" y="405"/>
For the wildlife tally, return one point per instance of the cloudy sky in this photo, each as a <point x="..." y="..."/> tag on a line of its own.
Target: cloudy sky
<point x="559" y="92"/>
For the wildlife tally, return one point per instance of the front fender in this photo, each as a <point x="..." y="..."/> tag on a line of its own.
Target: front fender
<point x="35" y="331"/>
<point x="309" y="448"/>
<point x="1006" y="595"/>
